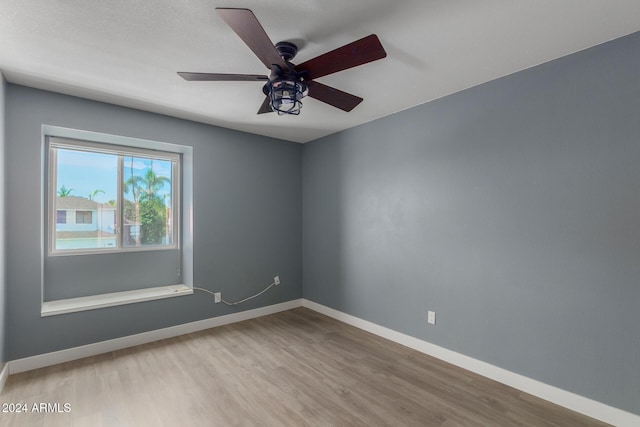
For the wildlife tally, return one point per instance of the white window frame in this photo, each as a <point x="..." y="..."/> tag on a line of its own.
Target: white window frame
<point x="119" y="150"/>
<point x="185" y="229"/>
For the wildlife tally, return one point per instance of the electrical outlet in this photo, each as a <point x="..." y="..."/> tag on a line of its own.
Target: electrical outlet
<point x="276" y="280"/>
<point x="217" y="297"/>
<point x="431" y="317"/>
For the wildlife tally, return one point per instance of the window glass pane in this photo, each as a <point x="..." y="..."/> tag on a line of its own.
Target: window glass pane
<point x="85" y="202"/>
<point x="84" y="217"/>
<point x="61" y="217"/>
<point x="147" y="195"/>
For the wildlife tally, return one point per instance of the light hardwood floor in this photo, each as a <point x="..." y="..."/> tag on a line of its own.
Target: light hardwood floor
<point x="293" y="368"/>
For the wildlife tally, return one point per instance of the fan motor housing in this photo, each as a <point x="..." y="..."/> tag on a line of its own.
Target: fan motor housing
<point x="287" y="50"/>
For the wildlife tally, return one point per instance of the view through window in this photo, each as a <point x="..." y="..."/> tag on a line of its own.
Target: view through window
<point x="108" y="198"/>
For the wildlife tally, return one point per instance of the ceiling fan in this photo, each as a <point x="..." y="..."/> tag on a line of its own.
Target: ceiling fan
<point x="288" y="83"/>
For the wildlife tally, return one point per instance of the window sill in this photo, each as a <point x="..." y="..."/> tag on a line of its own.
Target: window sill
<point x="71" y="305"/>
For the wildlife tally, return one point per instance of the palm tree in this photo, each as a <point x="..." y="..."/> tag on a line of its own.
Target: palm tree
<point x="94" y="193"/>
<point x="148" y="204"/>
<point x="64" y="191"/>
<point x="153" y="209"/>
<point x="133" y="184"/>
<point x="153" y="182"/>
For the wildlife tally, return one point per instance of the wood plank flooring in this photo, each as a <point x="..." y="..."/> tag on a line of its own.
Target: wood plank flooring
<point x="295" y="368"/>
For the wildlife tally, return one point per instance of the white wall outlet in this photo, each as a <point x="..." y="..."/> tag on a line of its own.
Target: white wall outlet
<point x="276" y="280"/>
<point x="431" y="317"/>
<point x="217" y="297"/>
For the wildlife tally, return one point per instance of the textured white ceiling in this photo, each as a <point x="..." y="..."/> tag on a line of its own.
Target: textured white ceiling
<point x="127" y="52"/>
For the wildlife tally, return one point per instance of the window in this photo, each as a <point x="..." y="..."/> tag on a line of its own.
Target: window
<point x="61" y="217"/>
<point x="124" y="198"/>
<point x="84" y="217"/>
<point x="118" y="220"/>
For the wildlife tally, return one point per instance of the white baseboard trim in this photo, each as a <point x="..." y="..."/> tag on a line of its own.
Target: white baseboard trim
<point x="4" y="374"/>
<point x="575" y="402"/>
<point x="53" y="358"/>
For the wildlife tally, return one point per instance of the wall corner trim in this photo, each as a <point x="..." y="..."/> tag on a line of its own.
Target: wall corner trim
<point x="66" y="355"/>
<point x="572" y="401"/>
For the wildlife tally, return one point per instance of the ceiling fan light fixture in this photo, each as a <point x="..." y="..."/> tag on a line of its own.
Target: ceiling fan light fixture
<point x="286" y="96"/>
<point x="288" y="83"/>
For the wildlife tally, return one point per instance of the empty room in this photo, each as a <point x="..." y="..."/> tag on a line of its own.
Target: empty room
<point x="306" y="213"/>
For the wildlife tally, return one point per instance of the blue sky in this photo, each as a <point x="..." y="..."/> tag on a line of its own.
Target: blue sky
<point x="85" y="172"/>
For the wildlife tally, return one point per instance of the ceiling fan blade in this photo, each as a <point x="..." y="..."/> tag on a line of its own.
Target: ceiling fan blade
<point x="266" y="106"/>
<point x="351" y="55"/>
<point x="332" y="96"/>
<point x="246" y="25"/>
<point x="217" y="77"/>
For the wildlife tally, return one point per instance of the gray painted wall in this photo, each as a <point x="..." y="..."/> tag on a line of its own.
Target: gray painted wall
<point x="3" y="288"/>
<point x="247" y="220"/>
<point x="512" y="209"/>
